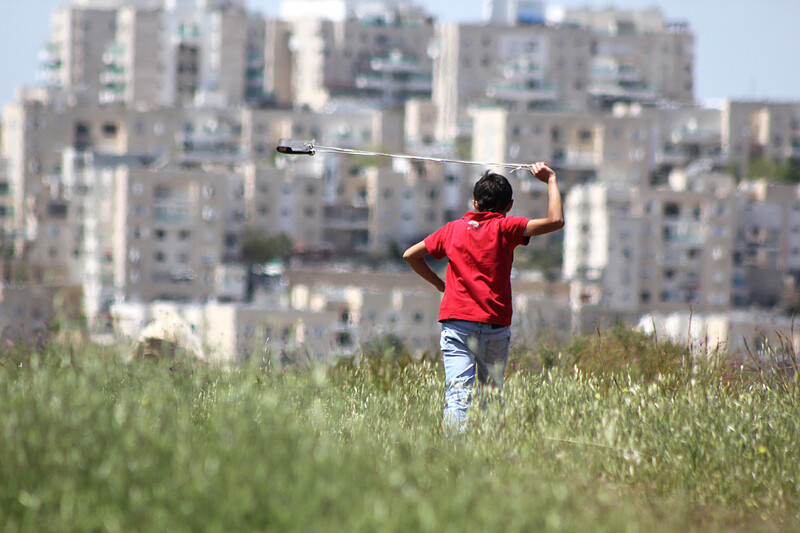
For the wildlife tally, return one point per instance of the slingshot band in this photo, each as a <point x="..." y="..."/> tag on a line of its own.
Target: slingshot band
<point x="293" y="146"/>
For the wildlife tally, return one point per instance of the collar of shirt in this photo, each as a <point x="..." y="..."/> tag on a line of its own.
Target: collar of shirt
<point x="481" y="216"/>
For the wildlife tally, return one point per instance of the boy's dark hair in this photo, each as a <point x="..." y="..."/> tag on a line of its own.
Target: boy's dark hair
<point x="492" y="193"/>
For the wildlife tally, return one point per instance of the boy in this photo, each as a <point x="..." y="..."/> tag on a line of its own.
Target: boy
<point x="476" y="307"/>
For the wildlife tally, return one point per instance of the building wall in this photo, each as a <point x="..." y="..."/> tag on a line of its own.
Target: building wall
<point x="278" y="73"/>
<point x="169" y="233"/>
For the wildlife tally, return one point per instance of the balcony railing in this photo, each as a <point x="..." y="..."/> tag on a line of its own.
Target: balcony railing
<point x="522" y="92"/>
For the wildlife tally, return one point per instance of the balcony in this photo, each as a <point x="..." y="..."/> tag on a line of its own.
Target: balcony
<point x="111" y="95"/>
<point x="672" y="156"/>
<point x="522" y="92"/>
<point x="683" y="237"/>
<point x="172" y="213"/>
<point x="113" y="77"/>
<point x="113" y="54"/>
<point x="395" y="62"/>
<point x="695" y="136"/>
<point x="255" y="61"/>
<point x="615" y="91"/>
<point x="346" y="218"/>
<point x="51" y="65"/>
<point x="575" y="159"/>
<point x="414" y="83"/>
<point x="516" y="68"/>
<point x="106" y="98"/>
<point x="628" y="73"/>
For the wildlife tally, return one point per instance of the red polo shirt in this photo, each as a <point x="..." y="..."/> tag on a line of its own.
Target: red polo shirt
<point x="480" y="251"/>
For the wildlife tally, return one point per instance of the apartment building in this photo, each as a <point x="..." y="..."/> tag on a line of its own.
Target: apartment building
<point x="73" y="58"/>
<point x="130" y="75"/>
<point x="206" y="58"/>
<point x="753" y="130"/>
<point x="139" y="232"/>
<point x="7" y="193"/>
<point x="581" y="147"/>
<point x="288" y="202"/>
<point x="637" y="55"/>
<point x="420" y="125"/>
<point x="686" y="135"/>
<point x="632" y="250"/>
<point x="766" y="248"/>
<point x="169" y="233"/>
<point x="582" y="59"/>
<point x="278" y="61"/>
<point x="41" y="124"/>
<point x="687" y="238"/>
<point x="370" y="51"/>
<point x="160" y="53"/>
<point x="513" y="12"/>
<point x="519" y="67"/>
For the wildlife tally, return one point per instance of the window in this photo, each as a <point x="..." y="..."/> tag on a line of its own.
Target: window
<point x="672" y="210"/>
<point x="208" y="214"/>
<point x="110" y="129"/>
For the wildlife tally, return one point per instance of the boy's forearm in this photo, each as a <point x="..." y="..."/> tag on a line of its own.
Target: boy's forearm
<point x="421" y="267"/>
<point x="555" y="211"/>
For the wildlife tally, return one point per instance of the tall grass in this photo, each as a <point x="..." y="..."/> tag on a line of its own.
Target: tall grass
<point x="90" y="441"/>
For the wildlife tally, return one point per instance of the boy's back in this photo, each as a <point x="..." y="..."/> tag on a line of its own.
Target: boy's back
<point x="480" y="248"/>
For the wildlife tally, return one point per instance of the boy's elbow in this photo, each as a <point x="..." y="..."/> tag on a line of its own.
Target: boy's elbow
<point x="555" y="224"/>
<point x="415" y="252"/>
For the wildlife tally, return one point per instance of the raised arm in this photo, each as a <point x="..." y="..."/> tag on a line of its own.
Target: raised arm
<point x="415" y="256"/>
<point x="555" y="213"/>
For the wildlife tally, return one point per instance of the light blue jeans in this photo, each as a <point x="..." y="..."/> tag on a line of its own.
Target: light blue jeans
<point x="470" y="350"/>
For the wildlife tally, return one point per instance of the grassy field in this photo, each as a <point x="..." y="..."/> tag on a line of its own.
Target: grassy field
<point x="614" y="432"/>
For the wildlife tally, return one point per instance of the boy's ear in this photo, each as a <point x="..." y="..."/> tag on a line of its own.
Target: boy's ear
<point x="475" y="204"/>
<point x="509" y="206"/>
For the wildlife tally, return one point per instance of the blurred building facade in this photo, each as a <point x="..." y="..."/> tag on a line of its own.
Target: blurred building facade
<point x="142" y="172"/>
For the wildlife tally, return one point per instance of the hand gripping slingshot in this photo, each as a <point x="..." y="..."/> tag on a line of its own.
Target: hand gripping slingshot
<point x="297" y="147"/>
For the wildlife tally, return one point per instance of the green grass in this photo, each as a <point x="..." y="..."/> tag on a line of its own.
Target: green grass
<point x="588" y="438"/>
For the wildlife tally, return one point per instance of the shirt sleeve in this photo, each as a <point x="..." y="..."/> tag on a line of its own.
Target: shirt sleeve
<point x="515" y="230"/>
<point x="435" y="243"/>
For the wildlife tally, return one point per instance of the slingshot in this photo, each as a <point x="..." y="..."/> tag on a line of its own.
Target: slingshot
<point x="298" y="147"/>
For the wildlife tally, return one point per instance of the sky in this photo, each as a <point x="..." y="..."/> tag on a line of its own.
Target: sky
<point x="747" y="49"/>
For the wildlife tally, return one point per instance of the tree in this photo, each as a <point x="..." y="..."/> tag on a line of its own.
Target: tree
<point x="260" y="248"/>
<point x="787" y="171"/>
<point x="763" y="168"/>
